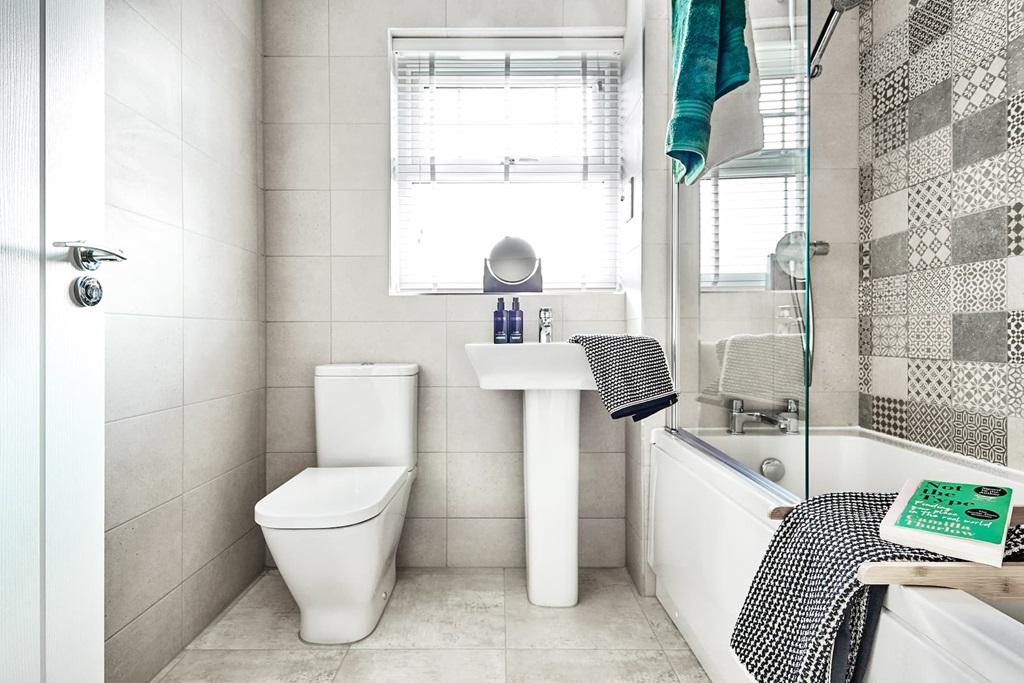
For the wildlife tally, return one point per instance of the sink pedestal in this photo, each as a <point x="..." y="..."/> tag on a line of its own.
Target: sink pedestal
<point x="551" y="443"/>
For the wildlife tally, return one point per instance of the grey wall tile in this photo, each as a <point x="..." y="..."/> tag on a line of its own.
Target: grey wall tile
<point x="213" y="587"/>
<point x="283" y="466"/>
<point x="423" y="543"/>
<point x="889" y="255"/>
<point x="485" y="485"/>
<point x="295" y="27"/>
<point x="143" y="464"/>
<point x="222" y="357"/>
<point x="298" y="223"/>
<point x="218" y="513"/>
<point x="150" y="282"/>
<point x="930" y="110"/>
<point x="219" y="202"/>
<point x="142" y="648"/>
<point x="979" y="136"/>
<point x="603" y="485"/>
<point x="980" y="336"/>
<point x="142" y="346"/>
<point x="979" y="237"/>
<point x="295" y="90"/>
<point x="143" y="563"/>
<point x="222" y="434"/>
<point x="486" y="543"/>
<point x="602" y="542"/>
<point x="429" y="494"/>
<point x="290" y="421"/>
<point x="294" y="350"/>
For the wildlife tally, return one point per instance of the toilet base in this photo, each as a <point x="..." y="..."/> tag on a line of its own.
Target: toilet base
<point x="326" y="626"/>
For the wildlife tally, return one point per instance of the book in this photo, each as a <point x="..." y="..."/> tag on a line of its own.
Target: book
<point x="961" y="520"/>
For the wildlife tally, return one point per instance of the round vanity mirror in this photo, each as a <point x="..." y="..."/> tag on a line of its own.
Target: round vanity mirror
<point x="513" y="261"/>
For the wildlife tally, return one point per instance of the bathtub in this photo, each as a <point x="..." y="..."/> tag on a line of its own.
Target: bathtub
<point x="709" y="529"/>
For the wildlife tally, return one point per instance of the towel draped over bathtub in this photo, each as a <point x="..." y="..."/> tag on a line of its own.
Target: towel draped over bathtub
<point x="630" y="372"/>
<point x="807" y="618"/>
<point x="764" y="367"/>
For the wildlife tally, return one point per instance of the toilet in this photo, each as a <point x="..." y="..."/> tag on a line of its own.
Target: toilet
<point x="333" y="529"/>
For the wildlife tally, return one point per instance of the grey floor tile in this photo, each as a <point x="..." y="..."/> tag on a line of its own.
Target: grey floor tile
<point x="442" y="608"/>
<point x="665" y="631"/>
<point x="255" y="666"/>
<point x="607" y="616"/>
<point x="686" y="666"/>
<point x="421" y="666"/>
<point x="589" y="666"/>
<point x="265" y="618"/>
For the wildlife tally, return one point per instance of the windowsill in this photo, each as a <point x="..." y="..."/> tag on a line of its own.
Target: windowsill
<point x="546" y="292"/>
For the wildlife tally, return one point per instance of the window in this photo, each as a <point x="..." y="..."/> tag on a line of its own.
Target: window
<point x="749" y="203"/>
<point x="504" y="137"/>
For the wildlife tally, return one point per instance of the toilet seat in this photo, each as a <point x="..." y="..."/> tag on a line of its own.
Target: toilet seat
<point x="330" y="497"/>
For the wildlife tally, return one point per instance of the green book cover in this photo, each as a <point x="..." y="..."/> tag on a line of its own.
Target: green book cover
<point x="959" y="510"/>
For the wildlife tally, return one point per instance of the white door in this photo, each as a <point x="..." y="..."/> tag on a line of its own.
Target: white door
<point x="51" y="349"/>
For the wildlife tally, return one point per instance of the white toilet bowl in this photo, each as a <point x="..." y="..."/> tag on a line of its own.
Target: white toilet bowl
<point x="333" y="532"/>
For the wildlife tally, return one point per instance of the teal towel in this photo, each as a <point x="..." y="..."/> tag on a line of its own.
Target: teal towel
<point x="709" y="59"/>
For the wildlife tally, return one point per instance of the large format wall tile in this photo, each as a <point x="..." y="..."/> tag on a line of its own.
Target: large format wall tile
<point x="143" y="464"/>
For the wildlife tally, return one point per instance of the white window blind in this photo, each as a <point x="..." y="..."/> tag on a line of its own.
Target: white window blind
<point x="749" y="203"/>
<point x="489" y="143"/>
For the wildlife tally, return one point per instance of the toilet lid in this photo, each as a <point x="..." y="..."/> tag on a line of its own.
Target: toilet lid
<point x="327" y="497"/>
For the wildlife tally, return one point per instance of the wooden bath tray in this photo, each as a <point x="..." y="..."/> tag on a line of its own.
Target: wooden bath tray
<point x="978" y="579"/>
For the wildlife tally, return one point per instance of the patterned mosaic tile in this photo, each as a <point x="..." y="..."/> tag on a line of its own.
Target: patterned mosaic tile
<point x="865" y="260"/>
<point x="864" y="335"/>
<point x="980" y="387"/>
<point x="864" y="298"/>
<point x="928" y="291"/>
<point x="1015" y="337"/>
<point x="930" y="155"/>
<point x="889" y="416"/>
<point x="930" y="202"/>
<point x="890" y="92"/>
<point x="865" y="185"/>
<point x="980" y="186"/>
<point x="1013" y="170"/>
<point x="980" y="436"/>
<point x="1015" y="121"/>
<point x="929" y="246"/>
<point x="889" y="335"/>
<point x="864" y="374"/>
<point x="930" y="424"/>
<point x="931" y="65"/>
<point x="979" y="35"/>
<point x="979" y="85"/>
<point x="1015" y="229"/>
<point x="1015" y="390"/>
<point x="890" y="132"/>
<point x="979" y="286"/>
<point x="866" y="145"/>
<point x="930" y="381"/>
<point x="864" y="223"/>
<point x="929" y="22"/>
<point x="864" y="27"/>
<point x="963" y="9"/>
<point x="1014" y="19"/>
<point x="890" y="52"/>
<point x="889" y="295"/>
<point x="930" y="336"/>
<point x="890" y="173"/>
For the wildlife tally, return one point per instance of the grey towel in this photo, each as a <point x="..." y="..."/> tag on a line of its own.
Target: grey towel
<point x="807" y="618"/>
<point x="630" y="372"/>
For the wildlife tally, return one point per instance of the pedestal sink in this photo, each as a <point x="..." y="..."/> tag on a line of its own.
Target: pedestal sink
<point x="551" y="377"/>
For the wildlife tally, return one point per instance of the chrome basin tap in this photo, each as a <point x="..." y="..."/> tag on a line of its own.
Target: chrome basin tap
<point x="787" y="420"/>
<point x="544" y="331"/>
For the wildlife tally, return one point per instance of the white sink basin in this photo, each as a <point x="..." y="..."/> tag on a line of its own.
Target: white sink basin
<point x="551" y="377"/>
<point x="531" y="366"/>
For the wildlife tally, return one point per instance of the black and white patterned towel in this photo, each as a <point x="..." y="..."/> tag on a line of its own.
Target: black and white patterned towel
<point x="807" y="618"/>
<point x="630" y="372"/>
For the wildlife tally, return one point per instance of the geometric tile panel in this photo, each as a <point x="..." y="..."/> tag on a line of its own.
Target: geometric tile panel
<point x="890" y="92"/>
<point x="889" y="295"/>
<point x="889" y="335"/>
<point x="979" y="85"/>
<point x="889" y="416"/>
<point x="979" y="286"/>
<point x="979" y="33"/>
<point x="929" y="246"/>
<point x="930" y="424"/>
<point x="931" y="66"/>
<point x="1015" y="122"/>
<point x="1015" y="229"/>
<point x="980" y="387"/>
<point x="929" y="381"/>
<point x="864" y="298"/>
<point x="865" y="191"/>
<point x="890" y="132"/>
<point x="864" y="335"/>
<point x="979" y="436"/>
<point x="980" y="186"/>
<point x="889" y="173"/>
<point x="1015" y="19"/>
<point x="864" y="374"/>
<point x="928" y="292"/>
<point x="930" y="202"/>
<point x="864" y="223"/>
<point x="890" y="52"/>
<point x="931" y="155"/>
<point x="930" y="336"/>
<point x="929" y="22"/>
<point x="1015" y="390"/>
<point x="865" y="260"/>
<point x="1015" y="337"/>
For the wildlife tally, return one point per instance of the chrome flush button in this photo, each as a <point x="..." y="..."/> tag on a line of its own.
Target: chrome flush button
<point x="86" y="291"/>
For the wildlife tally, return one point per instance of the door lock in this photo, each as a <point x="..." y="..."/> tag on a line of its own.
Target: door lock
<point x="88" y="256"/>
<point x="86" y="291"/>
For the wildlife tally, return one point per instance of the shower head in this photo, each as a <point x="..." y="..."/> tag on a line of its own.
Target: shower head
<point x="791" y="253"/>
<point x="831" y="22"/>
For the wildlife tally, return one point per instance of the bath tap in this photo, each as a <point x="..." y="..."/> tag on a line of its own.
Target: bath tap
<point x="788" y="420"/>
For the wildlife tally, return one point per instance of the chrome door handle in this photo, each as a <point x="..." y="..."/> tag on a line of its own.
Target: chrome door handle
<point x="88" y="256"/>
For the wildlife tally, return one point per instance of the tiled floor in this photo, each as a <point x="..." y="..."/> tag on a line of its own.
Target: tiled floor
<point x="451" y="625"/>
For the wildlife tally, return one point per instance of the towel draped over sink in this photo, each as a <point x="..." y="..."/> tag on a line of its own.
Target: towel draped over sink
<point x="630" y="372"/>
